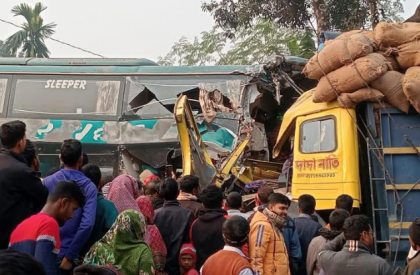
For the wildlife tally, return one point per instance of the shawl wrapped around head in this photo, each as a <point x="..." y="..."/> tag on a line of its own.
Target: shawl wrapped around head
<point x="123" y="193"/>
<point x="153" y="237"/>
<point x="123" y="246"/>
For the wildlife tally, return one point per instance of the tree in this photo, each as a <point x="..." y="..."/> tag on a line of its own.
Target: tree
<point x="3" y="53"/>
<point x="341" y="15"/>
<point x="31" y="38"/>
<point x="249" y="46"/>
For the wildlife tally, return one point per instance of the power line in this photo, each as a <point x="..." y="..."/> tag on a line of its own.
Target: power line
<point x="56" y="40"/>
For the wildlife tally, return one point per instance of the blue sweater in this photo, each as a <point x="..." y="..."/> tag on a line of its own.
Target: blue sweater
<point x="307" y="229"/>
<point x="291" y="239"/>
<point x="76" y="231"/>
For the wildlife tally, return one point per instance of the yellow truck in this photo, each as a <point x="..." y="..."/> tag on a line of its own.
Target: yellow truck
<point x="371" y="153"/>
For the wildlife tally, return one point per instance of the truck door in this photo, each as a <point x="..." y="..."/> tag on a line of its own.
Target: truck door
<point x="325" y="157"/>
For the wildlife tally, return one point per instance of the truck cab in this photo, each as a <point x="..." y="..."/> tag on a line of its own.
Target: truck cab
<point x="371" y="153"/>
<point x="325" y="151"/>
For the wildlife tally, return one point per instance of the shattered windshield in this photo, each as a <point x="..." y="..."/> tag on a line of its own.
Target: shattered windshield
<point x="155" y="96"/>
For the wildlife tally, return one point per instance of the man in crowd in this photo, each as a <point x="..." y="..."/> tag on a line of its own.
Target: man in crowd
<point x="206" y="231"/>
<point x="39" y="235"/>
<point x="22" y="192"/>
<point x="266" y="243"/>
<point x="234" y="204"/>
<point x="31" y="156"/>
<point x="173" y="222"/>
<point x="356" y="256"/>
<point x="344" y="202"/>
<point x="75" y="233"/>
<point x="189" y="186"/>
<point x="106" y="212"/>
<point x="152" y="189"/>
<point x="413" y="263"/>
<point x="231" y="260"/>
<point x="307" y="228"/>
<point x="290" y="234"/>
<point x="337" y="218"/>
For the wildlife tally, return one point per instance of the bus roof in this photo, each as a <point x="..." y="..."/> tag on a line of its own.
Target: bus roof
<point x="77" y="61"/>
<point x="111" y="66"/>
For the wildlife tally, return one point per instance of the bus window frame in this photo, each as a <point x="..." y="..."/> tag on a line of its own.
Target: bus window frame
<point x="11" y="114"/>
<point x="334" y="118"/>
<point x="5" y="106"/>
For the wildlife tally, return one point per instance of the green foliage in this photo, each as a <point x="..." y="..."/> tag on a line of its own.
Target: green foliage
<point x="357" y="14"/>
<point x="3" y="53"/>
<point x="249" y="45"/>
<point x="31" y="38"/>
<point x="298" y="14"/>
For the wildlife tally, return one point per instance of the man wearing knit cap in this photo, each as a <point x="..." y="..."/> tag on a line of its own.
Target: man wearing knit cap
<point x="231" y="260"/>
<point x="187" y="260"/>
<point x="414" y="262"/>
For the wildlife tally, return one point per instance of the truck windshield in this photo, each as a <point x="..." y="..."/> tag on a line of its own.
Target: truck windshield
<point x="318" y="136"/>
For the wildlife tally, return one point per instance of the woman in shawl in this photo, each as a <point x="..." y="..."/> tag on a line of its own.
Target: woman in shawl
<point x="152" y="236"/>
<point x="123" y="246"/>
<point x="123" y="193"/>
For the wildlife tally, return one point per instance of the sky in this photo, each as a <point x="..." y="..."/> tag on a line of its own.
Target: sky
<point x="124" y="28"/>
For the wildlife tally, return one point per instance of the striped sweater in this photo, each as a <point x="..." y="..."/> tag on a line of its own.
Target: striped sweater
<point x="39" y="236"/>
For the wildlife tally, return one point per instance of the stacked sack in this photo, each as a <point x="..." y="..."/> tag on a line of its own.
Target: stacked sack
<point x="362" y="66"/>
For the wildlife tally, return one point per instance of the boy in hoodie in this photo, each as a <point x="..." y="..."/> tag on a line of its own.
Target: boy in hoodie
<point x="76" y="231"/>
<point x="337" y="218"/>
<point x="206" y="231"/>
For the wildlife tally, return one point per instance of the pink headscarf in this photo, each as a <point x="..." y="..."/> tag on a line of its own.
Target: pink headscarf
<point x="123" y="193"/>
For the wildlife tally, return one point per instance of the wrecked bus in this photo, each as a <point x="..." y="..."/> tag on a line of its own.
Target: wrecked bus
<point x="370" y="153"/>
<point x="122" y="110"/>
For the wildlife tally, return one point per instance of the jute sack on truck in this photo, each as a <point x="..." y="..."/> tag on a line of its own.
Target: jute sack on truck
<point x="350" y="100"/>
<point x="409" y="55"/>
<point x="411" y="86"/>
<point x="336" y="54"/>
<point x="351" y="77"/>
<point x="390" y="84"/>
<point x="391" y="59"/>
<point x="395" y="34"/>
<point x="346" y="35"/>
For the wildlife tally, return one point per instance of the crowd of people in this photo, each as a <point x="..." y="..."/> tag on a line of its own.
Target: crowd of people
<point x="75" y="221"/>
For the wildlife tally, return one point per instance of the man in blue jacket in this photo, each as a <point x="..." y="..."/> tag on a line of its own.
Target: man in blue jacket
<point x="77" y="230"/>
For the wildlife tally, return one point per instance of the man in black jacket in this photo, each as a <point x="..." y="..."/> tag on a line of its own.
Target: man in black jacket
<point x="206" y="231"/>
<point x="173" y="222"/>
<point x="21" y="191"/>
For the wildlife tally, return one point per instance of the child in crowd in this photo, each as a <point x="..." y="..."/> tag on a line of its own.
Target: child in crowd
<point x="187" y="260"/>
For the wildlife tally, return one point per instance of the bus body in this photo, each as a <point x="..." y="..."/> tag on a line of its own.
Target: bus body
<point x="122" y="110"/>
